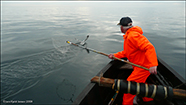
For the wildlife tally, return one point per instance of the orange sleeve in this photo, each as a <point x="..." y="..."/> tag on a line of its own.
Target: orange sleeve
<point x="120" y="54"/>
<point x="142" y="43"/>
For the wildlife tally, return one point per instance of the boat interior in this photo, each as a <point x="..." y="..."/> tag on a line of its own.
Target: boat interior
<point x="96" y="94"/>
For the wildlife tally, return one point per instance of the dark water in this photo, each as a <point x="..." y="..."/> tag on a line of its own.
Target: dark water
<point x="39" y="67"/>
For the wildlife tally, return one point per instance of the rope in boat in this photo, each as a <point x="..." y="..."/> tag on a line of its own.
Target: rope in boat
<point x="113" y="98"/>
<point x="179" y="85"/>
<point x="101" y="75"/>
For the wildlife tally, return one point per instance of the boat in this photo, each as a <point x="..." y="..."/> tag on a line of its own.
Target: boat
<point x="93" y="94"/>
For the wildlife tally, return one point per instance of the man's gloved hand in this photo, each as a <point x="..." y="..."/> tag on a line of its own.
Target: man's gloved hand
<point x="111" y="56"/>
<point x="153" y="70"/>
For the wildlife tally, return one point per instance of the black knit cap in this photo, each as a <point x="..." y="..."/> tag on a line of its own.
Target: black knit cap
<point x="125" y="21"/>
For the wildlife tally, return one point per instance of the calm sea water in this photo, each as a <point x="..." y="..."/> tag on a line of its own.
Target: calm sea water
<point x="39" y="67"/>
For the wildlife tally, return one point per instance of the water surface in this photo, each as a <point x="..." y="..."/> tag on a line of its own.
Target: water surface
<point x="38" y="65"/>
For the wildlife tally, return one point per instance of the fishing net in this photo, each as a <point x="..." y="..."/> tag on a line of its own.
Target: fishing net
<point x="65" y="91"/>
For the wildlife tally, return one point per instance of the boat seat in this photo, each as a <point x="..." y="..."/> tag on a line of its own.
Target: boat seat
<point x="126" y="66"/>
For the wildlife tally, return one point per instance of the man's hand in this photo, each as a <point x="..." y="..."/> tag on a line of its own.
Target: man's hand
<point x="153" y="70"/>
<point x="111" y="56"/>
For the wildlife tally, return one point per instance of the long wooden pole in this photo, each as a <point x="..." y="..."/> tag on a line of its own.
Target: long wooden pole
<point x="107" y="55"/>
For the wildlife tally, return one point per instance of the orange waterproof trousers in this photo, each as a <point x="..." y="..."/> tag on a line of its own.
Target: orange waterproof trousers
<point x="138" y="75"/>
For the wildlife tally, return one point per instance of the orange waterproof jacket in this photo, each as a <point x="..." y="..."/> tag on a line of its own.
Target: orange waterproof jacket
<point x="138" y="49"/>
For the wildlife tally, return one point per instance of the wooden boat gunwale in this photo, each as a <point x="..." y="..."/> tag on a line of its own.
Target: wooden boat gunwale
<point x="178" y="76"/>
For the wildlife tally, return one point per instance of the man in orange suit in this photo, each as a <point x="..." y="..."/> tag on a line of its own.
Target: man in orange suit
<point x="138" y="50"/>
